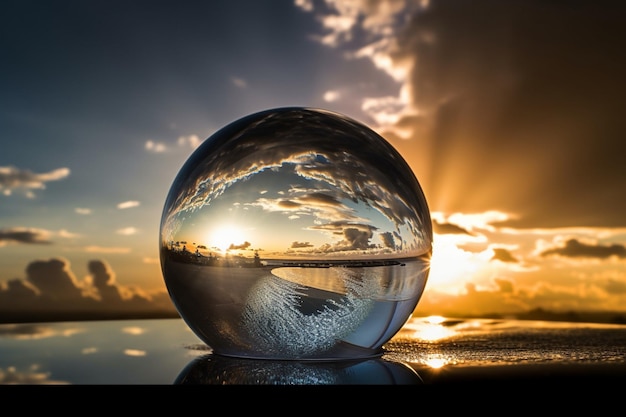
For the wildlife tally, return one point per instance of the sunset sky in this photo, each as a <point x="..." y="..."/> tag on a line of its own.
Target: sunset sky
<point x="510" y="113"/>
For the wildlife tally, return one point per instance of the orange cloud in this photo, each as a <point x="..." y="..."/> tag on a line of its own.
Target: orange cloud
<point x="51" y="291"/>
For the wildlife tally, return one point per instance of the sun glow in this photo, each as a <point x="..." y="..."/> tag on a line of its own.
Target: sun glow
<point x="227" y="237"/>
<point x="451" y="267"/>
<point x="436" y="362"/>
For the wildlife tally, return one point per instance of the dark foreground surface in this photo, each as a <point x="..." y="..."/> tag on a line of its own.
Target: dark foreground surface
<point x="427" y="352"/>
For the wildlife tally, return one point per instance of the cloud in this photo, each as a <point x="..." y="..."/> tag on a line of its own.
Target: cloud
<point x="193" y="141"/>
<point x="51" y="289"/>
<point x="503" y="255"/>
<point x="341" y="19"/>
<point x="102" y="249"/>
<point x="448" y="228"/>
<point x="299" y="245"/>
<point x="127" y="231"/>
<point x="54" y="279"/>
<point x="24" y="235"/>
<point x="504" y="285"/>
<point x="134" y="352"/>
<point x="239" y="82"/>
<point x="355" y="236"/>
<point x="31" y="235"/>
<point x="242" y="246"/>
<point x="189" y="141"/>
<point x="32" y="376"/>
<point x="306" y="5"/>
<point x="504" y="297"/>
<point x="388" y="240"/>
<point x="66" y="234"/>
<point x="573" y="248"/>
<point x="473" y="221"/>
<point x="385" y="110"/>
<point x="28" y="331"/>
<point x="155" y="147"/>
<point x="512" y="105"/>
<point x="321" y="205"/>
<point x="614" y="286"/>
<point x="82" y="210"/>
<point x="148" y="260"/>
<point x="331" y="95"/>
<point x="128" y="204"/>
<point x="514" y="92"/>
<point x="134" y="330"/>
<point x="103" y="279"/>
<point x="15" y="179"/>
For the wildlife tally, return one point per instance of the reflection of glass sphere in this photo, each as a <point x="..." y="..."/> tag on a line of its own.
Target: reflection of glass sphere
<point x="216" y="370"/>
<point x="295" y="233"/>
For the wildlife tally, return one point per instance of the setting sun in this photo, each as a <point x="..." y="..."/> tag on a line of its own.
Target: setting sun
<point x="451" y="266"/>
<point x="226" y="237"/>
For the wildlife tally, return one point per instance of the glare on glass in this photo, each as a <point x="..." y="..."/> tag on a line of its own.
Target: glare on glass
<point x="295" y="233"/>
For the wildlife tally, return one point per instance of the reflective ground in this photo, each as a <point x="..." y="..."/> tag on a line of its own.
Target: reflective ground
<point x="427" y="351"/>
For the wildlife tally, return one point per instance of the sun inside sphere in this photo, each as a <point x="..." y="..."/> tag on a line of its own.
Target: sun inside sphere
<point x="295" y="233"/>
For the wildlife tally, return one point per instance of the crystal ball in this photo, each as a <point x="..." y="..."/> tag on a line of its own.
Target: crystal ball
<point x="295" y="233"/>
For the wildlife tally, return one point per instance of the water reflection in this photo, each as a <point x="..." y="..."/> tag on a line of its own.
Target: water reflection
<point x="221" y="370"/>
<point x="426" y="351"/>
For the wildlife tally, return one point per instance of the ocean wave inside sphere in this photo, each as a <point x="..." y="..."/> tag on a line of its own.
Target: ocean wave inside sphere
<point x="295" y="233"/>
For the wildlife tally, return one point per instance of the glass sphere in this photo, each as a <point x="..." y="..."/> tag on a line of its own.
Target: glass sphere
<point x="295" y="233"/>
